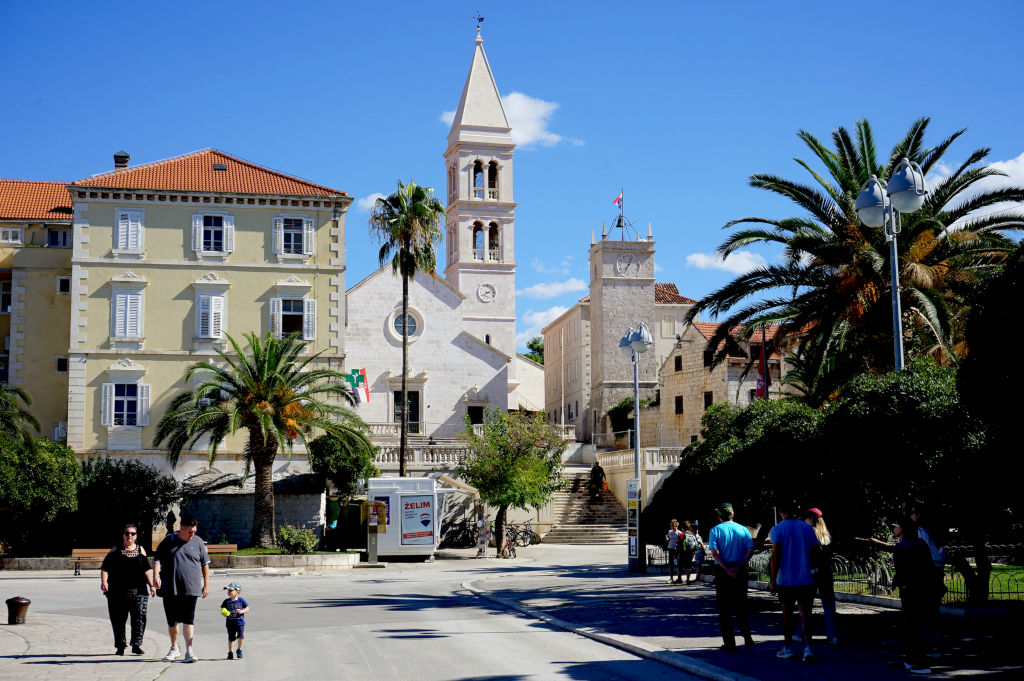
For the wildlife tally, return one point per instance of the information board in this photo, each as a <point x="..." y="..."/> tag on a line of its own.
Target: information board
<point x="418" y="519"/>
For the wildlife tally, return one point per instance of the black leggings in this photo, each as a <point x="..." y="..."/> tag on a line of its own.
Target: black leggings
<point x="122" y="605"/>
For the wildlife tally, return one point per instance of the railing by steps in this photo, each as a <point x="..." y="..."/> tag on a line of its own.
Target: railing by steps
<point x="661" y="458"/>
<point x="568" y="432"/>
<point x="444" y="456"/>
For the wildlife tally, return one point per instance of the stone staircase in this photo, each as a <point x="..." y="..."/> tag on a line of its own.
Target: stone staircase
<point x="580" y="521"/>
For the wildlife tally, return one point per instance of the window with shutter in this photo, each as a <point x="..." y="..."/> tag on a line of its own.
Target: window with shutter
<point x="143" y="404"/>
<point x="107" y="405"/>
<point x="197" y="233"/>
<point x="275" y="317"/>
<point x="278" y="235"/>
<point x="127" y="315"/>
<point x="210" y="312"/>
<point x="129" y="236"/>
<point x="216" y="316"/>
<point x="229" y="233"/>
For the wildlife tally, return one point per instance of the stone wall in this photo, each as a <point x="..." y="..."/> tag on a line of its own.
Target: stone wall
<point x="231" y="514"/>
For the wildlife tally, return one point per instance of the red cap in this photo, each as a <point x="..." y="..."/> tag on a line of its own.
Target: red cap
<point x="814" y="511"/>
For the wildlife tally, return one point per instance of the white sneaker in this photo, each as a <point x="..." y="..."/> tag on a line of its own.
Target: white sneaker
<point x="190" y="656"/>
<point x="785" y="654"/>
<point x="172" y="654"/>
<point x="808" y="655"/>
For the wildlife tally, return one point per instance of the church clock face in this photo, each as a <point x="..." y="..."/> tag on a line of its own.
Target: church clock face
<point x="627" y="265"/>
<point x="486" y="293"/>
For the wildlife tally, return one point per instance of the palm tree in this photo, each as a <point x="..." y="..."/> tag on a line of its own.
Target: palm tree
<point x="406" y="224"/>
<point x="15" y="419"/>
<point x="831" y="294"/>
<point x="277" y="397"/>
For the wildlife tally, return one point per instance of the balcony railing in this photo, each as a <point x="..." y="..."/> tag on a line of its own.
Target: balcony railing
<point x="494" y="254"/>
<point x="568" y="432"/>
<point x="492" y="194"/>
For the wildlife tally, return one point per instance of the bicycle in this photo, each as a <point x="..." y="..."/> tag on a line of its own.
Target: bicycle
<point x="523" y="534"/>
<point x="509" y="549"/>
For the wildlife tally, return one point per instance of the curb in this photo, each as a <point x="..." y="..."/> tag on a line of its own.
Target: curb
<point x="629" y="644"/>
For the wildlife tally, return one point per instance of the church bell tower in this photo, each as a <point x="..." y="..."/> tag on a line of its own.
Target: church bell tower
<point x="480" y="233"/>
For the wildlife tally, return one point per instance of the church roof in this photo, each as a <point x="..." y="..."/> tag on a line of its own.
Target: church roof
<point x="207" y="170"/>
<point x="30" y="200"/>
<point x="480" y="105"/>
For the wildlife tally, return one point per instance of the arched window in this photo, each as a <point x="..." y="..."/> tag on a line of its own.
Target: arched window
<point x="478" y="241"/>
<point x="492" y="180"/>
<point x="478" y="179"/>
<point x="452" y="183"/>
<point x="487" y="338"/>
<point x="494" y="243"/>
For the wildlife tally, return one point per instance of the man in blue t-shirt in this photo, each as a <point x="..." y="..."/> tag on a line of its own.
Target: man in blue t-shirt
<point x="793" y="541"/>
<point x="731" y="547"/>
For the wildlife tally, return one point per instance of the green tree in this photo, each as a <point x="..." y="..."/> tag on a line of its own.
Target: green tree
<point x="514" y="462"/>
<point x="344" y="467"/>
<point x="831" y="295"/>
<point x="277" y="396"/>
<point x="15" y="419"/>
<point x="536" y="349"/>
<point x="36" y="484"/>
<point x="113" y="492"/>
<point x="406" y="225"/>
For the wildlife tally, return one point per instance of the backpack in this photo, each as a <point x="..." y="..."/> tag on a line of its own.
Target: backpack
<point x="689" y="542"/>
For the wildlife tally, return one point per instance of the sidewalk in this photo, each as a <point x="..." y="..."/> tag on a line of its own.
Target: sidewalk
<point x="678" y="625"/>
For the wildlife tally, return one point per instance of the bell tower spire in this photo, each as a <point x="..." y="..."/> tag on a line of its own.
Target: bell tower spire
<point x="480" y="231"/>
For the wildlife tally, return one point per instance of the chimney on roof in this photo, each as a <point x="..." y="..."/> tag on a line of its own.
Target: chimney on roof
<point x="121" y="159"/>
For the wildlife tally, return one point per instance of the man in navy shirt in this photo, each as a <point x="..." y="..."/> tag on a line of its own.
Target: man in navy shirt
<point x="793" y="541"/>
<point x="731" y="547"/>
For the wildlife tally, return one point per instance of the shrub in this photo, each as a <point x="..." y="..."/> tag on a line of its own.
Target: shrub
<point x="293" y="540"/>
<point x="341" y="464"/>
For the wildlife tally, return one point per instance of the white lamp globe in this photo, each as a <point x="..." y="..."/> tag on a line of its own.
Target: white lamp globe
<point x="641" y="339"/>
<point x="872" y="203"/>
<point x="906" y="187"/>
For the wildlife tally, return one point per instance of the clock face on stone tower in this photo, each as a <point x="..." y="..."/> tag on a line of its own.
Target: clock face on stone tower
<point x="627" y="265"/>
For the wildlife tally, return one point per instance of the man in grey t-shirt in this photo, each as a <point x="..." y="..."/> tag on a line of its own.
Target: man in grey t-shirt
<point x="182" y="574"/>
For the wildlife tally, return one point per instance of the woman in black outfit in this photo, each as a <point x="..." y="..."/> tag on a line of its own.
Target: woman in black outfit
<point x="126" y="579"/>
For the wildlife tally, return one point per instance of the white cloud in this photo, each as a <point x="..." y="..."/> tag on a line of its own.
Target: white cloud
<point x="542" y="267"/>
<point x="740" y="262"/>
<point x="365" y="204"/>
<point x="529" y="118"/>
<point x="552" y="289"/>
<point x="1014" y="177"/>
<point x="533" y="321"/>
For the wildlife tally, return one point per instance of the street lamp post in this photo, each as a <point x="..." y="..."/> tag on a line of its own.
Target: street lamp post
<point x="881" y="207"/>
<point x="635" y="341"/>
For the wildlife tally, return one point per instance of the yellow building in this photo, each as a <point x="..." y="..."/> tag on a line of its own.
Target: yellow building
<point x="168" y="258"/>
<point x="35" y="301"/>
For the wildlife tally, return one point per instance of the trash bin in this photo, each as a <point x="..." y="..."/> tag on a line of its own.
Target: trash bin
<point x="17" y="609"/>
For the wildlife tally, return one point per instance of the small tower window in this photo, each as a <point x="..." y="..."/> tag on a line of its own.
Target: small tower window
<point x="478" y="179"/>
<point x="478" y="241"/>
<point x="492" y="180"/>
<point x="452" y="184"/>
<point x="487" y="339"/>
<point x="493" y="243"/>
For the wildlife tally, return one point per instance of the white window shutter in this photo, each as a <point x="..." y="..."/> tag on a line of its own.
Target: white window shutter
<point x="275" y="317"/>
<point x="203" y="322"/>
<point x="143" y="411"/>
<point x="197" y="233"/>
<point x="278" y="235"/>
<point x="309" y="319"/>
<point x="133" y="316"/>
<point x="121" y="238"/>
<point x="216" y="316"/>
<point x="134" y="231"/>
<point x="229" y="233"/>
<point x="307" y="236"/>
<point x="107" y="405"/>
<point x="119" y="312"/>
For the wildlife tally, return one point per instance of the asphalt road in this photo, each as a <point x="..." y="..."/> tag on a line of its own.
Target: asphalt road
<point x="409" y="621"/>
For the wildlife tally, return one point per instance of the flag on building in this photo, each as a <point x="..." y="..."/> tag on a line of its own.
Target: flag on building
<point x="764" y="377"/>
<point x="618" y="200"/>
<point x="360" y="386"/>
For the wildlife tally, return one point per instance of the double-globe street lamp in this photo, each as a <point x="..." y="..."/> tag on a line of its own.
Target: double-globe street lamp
<point x="635" y="341"/>
<point x="881" y="207"/>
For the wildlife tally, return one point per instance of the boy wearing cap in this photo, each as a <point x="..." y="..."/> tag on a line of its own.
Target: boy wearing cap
<point x="234" y="608"/>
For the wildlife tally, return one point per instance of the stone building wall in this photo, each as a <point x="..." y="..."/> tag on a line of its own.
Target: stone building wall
<point x="231" y="514"/>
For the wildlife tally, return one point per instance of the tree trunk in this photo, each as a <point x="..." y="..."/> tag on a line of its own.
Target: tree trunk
<point x="499" y="528"/>
<point x="976" y="579"/>
<point x="263" y="454"/>
<point x="404" y="437"/>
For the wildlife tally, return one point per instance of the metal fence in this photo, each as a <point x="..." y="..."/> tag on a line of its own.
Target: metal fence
<point x="873" y="576"/>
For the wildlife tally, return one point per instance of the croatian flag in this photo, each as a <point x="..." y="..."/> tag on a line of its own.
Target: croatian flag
<point x="365" y="385"/>
<point x="618" y="200"/>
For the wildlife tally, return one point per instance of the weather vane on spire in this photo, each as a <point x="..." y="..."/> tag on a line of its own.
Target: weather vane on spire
<point x="479" y="19"/>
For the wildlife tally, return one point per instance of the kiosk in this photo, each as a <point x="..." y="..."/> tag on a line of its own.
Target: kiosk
<point x="415" y="507"/>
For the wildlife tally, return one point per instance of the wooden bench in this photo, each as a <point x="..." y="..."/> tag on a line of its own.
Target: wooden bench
<point x="222" y="549"/>
<point x="78" y="556"/>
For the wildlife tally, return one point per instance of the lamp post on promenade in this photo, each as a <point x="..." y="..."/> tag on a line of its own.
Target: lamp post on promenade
<point x="635" y="341"/>
<point x="881" y="207"/>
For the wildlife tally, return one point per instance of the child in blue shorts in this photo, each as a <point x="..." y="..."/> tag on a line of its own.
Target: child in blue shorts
<point x="234" y="608"/>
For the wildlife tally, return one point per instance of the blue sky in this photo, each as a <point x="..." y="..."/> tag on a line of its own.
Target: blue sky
<point x="678" y="103"/>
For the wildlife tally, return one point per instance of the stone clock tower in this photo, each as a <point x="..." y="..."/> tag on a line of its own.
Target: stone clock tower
<point x="621" y="296"/>
<point x="480" y="232"/>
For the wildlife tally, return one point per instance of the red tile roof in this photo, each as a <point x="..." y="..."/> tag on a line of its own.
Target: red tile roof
<point x="668" y="293"/>
<point x="708" y="329"/>
<point x="195" y="173"/>
<point x="34" y="201"/>
<point x="664" y="293"/>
